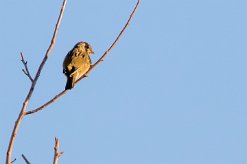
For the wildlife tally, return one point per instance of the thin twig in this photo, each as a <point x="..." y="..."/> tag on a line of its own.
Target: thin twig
<point x="92" y="67"/>
<point x="57" y="153"/>
<point x="25" y="103"/>
<point x="13" y="160"/>
<point x="26" y="71"/>
<point x="25" y="159"/>
<point x="48" y="103"/>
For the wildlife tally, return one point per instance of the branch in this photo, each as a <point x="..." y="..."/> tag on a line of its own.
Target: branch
<point x="25" y="159"/>
<point x="26" y="71"/>
<point x="25" y="103"/>
<point x="47" y="54"/>
<point x="92" y="67"/>
<point x="57" y="154"/>
<point x="13" y="160"/>
<point x="48" y="103"/>
<point x="113" y="44"/>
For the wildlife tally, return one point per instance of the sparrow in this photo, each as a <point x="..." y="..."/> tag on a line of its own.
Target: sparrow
<point x="76" y="63"/>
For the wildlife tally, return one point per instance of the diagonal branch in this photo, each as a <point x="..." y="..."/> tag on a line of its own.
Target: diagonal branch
<point x="48" y="103"/>
<point x="57" y="153"/>
<point x="113" y="44"/>
<point x="92" y="67"/>
<point x="25" y="103"/>
<point x="25" y="159"/>
<point x="13" y="160"/>
<point x="26" y="71"/>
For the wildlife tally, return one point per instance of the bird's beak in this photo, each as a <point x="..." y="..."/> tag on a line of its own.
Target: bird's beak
<point x="92" y="51"/>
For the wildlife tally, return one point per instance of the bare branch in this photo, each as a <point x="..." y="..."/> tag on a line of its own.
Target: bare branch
<point x="25" y="159"/>
<point x="57" y="153"/>
<point x="51" y="44"/>
<point x="92" y="67"/>
<point x="48" y="103"/>
<point x="113" y="44"/>
<point x="25" y="103"/>
<point x="26" y="71"/>
<point x="13" y="160"/>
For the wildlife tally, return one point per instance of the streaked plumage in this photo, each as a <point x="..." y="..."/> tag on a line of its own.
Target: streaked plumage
<point x="76" y="63"/>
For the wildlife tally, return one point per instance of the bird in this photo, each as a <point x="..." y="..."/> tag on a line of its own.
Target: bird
<point x="77" y="62"/>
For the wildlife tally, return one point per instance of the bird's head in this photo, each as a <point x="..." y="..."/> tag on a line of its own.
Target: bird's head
<point x="85" y="46"/>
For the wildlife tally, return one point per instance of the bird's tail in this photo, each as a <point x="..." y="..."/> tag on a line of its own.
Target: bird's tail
<point x="70" y="82"/>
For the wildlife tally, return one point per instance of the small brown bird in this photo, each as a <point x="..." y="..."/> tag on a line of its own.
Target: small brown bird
<point x="76" y="63"/>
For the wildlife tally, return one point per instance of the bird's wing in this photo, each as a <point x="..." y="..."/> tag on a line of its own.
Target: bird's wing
<point x="67" y="59"/>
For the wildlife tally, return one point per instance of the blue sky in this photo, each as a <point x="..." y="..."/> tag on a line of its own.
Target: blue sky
<point x="173" y="90"/>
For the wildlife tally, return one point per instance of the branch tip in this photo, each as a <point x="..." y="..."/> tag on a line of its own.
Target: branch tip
<point x="26" y="70"/>
<point x="22" y="58"/>
<point x="57" y="153"/>
<point x="25" y="159"/>
<point x="13" y="160"/>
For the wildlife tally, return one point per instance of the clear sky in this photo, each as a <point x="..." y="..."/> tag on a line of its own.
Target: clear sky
<point x="172" y="91"/>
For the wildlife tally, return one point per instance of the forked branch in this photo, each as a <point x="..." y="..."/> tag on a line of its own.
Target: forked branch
<point x="92" y="67"/>
<point x="23" y="111"/>
<point x="34" y="81"/>
<point x="26" y="71"/>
